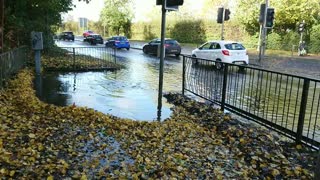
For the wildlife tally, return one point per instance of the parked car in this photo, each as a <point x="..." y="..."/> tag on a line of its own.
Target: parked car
<point x="118" y="42"/>
<point x="171" y="47"/>
<point x="87" y="33"/>
<point x="223" y="51"/>
<point x="67" y="35"/>
<point x="94" y="39"/>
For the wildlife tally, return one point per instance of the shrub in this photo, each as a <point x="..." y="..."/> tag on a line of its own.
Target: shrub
<point x="315" y="39"/>
<point x="189" y="31"/>
<point x="274" y="41"/>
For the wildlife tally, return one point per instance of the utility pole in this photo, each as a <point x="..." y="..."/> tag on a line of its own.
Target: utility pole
<point x="1" y="25"/>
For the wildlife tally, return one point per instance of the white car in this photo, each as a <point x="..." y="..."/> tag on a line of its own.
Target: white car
<point x="223" y="51"/>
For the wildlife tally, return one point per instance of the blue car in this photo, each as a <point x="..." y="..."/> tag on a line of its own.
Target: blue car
<point x="118" y="42"/>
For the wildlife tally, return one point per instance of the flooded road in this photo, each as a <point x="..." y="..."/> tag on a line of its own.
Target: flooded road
<point x="131" y="92"/>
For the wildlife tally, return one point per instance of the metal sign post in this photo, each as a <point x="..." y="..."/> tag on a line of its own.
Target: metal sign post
<point x="37" y="46"/>
<point x="167" y="5"/>
<point x="163" y="32"/>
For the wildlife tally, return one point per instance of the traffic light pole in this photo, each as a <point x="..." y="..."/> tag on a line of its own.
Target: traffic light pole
<point x="264" y="33"/>
<point x="222" y="24"/>
<point x="301" y="33"/>
<point x="162" y="53"/>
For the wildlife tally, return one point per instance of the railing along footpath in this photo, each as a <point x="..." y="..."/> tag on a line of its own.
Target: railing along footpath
<point x="84" y="58"/>
<point x="286" y="103"/>
<point x="11" y="62"/>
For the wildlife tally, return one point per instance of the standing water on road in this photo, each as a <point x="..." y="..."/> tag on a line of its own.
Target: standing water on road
<point x="131" y="92"/>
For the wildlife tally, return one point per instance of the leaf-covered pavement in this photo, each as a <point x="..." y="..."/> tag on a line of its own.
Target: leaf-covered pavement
<point x="39" y="140"/>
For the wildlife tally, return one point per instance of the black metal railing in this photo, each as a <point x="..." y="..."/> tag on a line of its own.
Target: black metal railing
<point x="11" y="62"/>
<point x="286" y="103"/>
<point x="80" y="58"/>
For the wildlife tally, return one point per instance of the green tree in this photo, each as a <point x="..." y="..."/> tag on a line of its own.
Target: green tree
<point x="22" y="17"/>
<point x="248" y="14"/>
<point x="314" y="39"/>
<point x="288" y="13"/>
<point x="117" y="16"/>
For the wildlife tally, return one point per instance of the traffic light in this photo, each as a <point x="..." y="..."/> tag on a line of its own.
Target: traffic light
<point x="171" y="2"/>
<point x="301" y="27"/>
<point x="227" y="14"/>
<point x="220" y="15"/>
<point x="262" y="13"/>
<point x="270" y="17"/>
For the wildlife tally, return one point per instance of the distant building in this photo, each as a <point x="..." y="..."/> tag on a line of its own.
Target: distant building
<point x="83" y="23"/>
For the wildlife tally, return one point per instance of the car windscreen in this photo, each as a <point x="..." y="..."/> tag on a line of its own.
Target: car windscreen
<point x="120" y="38"/>
<point x="171" y="42"/>
<point x="97" y="36"/>
<point x="234" y="46"/>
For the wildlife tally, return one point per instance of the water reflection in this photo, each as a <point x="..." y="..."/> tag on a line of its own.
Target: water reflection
<point x="131" y="92"/>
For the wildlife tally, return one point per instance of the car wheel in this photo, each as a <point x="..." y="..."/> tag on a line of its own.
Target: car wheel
<point x="177" y="55"/>
<point x="219" y="65"/>
<point x="144" y="50"/>
<point x="128" y="49"/>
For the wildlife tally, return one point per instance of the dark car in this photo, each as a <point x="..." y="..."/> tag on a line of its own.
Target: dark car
<point x="118" y="42"/>
<point x="171" y="47"/>
<point x="94" y="39"/>
<point x="67" y="35"/>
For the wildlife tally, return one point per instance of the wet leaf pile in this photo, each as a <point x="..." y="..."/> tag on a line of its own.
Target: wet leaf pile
<point x="39" y="140"/>
<point x="80" y="62"/>
<point x="63" y="60"/>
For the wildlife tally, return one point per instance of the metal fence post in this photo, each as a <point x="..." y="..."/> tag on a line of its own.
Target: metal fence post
<point x="74" y="58"/>
<point x="303" y="107"/>
<point x="1" y="71"/>
<point x="115" y="55"/>
<point x="224" y="86"/>
<point x="317" y="168"/>
<point x="183" y="74"/>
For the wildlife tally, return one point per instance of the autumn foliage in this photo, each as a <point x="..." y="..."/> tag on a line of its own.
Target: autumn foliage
<point x="38" y="141"/>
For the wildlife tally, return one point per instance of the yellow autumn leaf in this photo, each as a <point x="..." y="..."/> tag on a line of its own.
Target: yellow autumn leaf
<point x="299" y="146"/>
<point x="83" y="177"/>
<point x="12" y="173"/>
<point x="32" y="135"/>
<point x="147" y="160"/>
<point x="275" y="172"/>
<point x="242" y="140"/>
<point x="288" y="172"/>
<point x="50" y="178"/>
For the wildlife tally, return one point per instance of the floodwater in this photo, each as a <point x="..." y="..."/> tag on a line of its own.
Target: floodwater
<point x="131" y="92"/>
